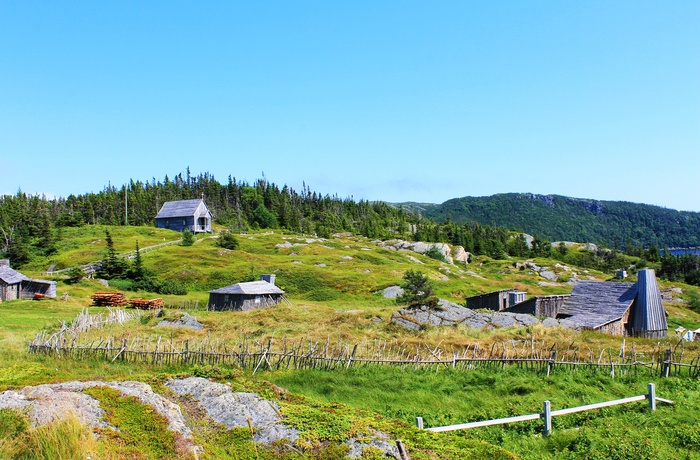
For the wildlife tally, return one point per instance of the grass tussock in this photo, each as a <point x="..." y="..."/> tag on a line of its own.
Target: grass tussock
<point x="65" y="439"/>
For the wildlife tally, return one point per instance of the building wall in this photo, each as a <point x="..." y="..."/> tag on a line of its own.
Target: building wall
<point x="191" y="223"/>
<point x="31" y="287"/>
<point x="613" y="328"/>
<point x="237" y="302"/>
<point x="9" y="291"/>
<point x="495" y="301"/>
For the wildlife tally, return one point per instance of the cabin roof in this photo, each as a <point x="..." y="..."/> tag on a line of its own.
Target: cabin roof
<point x="11" y="276"/>
<point x="250" y="288"/>
<point x="594" y="303"/>
<point x="182" y="208"/>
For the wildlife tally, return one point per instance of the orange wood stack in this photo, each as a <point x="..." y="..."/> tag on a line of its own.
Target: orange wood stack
<point x="108" y="299"/>
<point x="144" y="304"/>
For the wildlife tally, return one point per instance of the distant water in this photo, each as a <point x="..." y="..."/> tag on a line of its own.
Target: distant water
<point x="683" y="251"/>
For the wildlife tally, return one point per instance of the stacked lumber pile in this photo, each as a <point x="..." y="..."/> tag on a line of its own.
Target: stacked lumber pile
<point x="144" y="304"/>
<point x="109" y="299"/>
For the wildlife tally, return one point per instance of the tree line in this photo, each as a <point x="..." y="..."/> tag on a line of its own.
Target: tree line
<point x="31" y="226"/>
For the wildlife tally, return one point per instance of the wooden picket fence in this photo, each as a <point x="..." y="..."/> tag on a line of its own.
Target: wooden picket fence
<point x="256" y="355"/>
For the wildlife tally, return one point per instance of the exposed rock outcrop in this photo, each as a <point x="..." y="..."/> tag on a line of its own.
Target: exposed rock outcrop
<point x="451" y="254"/>
<point x="235" y="409"/>
<point x="448" y="314"/>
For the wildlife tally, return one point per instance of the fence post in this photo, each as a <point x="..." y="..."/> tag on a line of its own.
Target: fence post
<point x="419" y="422"/>
<point x="652" y="396"/>
<point x="547" y="416"/>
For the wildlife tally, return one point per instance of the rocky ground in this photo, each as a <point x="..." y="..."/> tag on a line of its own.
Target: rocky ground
<point x="448" y="314"/>
<point x="44" y="404"/>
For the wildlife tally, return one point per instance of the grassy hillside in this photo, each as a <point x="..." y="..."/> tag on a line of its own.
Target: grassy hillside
<point x="334" y="287"/>
<point x="560" y="218"/>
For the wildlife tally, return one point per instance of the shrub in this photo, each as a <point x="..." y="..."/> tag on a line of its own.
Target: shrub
<point x="435" y="253"/>
<point x="75" y="274"/>
<point x="227" y="240"/>
<point x="172" y="287"/>
<point x="187" y="238"/>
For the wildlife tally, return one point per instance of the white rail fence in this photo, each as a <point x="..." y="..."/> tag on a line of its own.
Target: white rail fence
<point x="548" y="413"/>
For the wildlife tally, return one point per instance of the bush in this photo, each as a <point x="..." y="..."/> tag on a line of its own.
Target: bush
<point x="434" y="253"/>
<point x="187" y="238"/>
<point x="227" y="240"/>
<point x="75" y="274"/>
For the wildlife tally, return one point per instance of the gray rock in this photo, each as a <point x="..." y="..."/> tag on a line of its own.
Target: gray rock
<point x="550" y="322"/>
<point x="549" y="275"/>
<point x="186" y="320"/>
<point x="526" y="320"/>
<point x="392" y="292"/>
<point x="406" y="324"/>
<point x="235" y="409"/>
<point x="46" y="403"/>
<point x="502" y="320"/>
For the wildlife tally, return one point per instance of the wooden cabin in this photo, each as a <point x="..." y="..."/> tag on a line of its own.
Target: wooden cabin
<point x="14" y="285"/>
<point x="634" y="309"/>
<point x="192" y="215"/>
<point x="246" y="296"/>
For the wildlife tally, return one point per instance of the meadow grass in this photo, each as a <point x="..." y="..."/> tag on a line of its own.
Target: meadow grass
<point x="334" y="287"/>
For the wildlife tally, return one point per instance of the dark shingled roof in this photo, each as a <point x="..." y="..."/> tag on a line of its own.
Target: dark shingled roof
<point x="594" y="303"/>
<point x="250" y="288"/>
<point x="11" y="276"/>
<point x="183" y="208"/>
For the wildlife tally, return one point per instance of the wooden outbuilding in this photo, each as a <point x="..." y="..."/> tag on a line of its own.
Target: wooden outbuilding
<point x="542" y="305"/>
<point x="496" y="301"/>
<point x="633" y="309"/>
<point x="246" y="296"/>
<point x="14" y="285"/>
<point x="192" y="215"/>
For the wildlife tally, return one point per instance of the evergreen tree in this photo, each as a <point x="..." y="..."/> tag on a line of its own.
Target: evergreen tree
<point x="227" y="240"/>
<point x="187" y="238"/>
<point x="111" y="266"/>
<point x="136" y="271"/>
<point x="416" y="289"/>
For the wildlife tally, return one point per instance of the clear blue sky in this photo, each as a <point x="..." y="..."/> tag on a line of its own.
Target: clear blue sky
<point x="381" y="100"/>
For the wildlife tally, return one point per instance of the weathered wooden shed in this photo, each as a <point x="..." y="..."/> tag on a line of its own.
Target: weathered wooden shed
<point x="246" y="296"/>
<point x="496" y="301"/>
<point x="544" y="305"/>
<point x="618" y="308"/>
<point x="14" y="285"/>
<point x="184" y="215"/>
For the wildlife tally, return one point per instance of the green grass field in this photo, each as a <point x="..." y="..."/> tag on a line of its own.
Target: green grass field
<point x="334" y="287"/>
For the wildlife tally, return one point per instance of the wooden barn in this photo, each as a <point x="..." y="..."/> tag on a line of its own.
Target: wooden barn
<point x="246" y="296"/>
<point x="184" y="215"/>
<point x="14" y="285"/>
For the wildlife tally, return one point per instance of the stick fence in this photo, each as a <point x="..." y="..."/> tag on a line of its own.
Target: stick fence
<point x="256" y="355"/>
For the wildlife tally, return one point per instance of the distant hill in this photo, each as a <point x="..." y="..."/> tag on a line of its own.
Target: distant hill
<point x="573" y="219"/>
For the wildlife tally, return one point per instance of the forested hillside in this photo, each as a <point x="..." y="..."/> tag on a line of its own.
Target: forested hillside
<point x="554" y="217"/>
<point x="31" y="225"/>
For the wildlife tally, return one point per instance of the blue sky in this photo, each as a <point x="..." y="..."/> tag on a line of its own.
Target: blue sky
<point x="381" y="100"/>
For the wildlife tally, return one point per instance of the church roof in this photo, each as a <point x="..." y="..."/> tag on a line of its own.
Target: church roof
<point x="182" y="208"/>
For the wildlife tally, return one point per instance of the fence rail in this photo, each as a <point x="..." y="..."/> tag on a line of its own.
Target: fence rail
<point x="308" y="354"/>
<point x="548" y="413"/>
